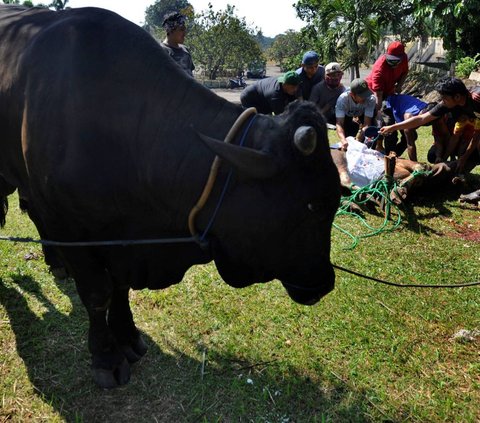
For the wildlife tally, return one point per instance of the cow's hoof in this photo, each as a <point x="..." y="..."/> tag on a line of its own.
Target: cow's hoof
<point x="473" y="197"/>
<point x="398" y="195"/>
<point x="109" y="379"/>
<point x="134" y="351"/>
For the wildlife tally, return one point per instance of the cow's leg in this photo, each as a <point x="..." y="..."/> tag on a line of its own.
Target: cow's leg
<point x="51" y="255"/>
<point x="473" y="197"/>
<point x="5" y="190"/>
<point x="110" y="367"/>
<point x="121" y="324"/>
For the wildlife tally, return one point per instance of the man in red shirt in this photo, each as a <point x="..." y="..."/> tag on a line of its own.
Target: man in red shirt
<point x="386" y="78"/>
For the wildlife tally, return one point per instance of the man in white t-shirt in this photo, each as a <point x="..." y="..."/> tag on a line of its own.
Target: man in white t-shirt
<point x="355" y="109"/>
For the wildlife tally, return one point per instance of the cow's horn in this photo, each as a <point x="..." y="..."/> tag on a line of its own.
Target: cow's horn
<point x="305" y="139"/>
<point x="249" y="162"/>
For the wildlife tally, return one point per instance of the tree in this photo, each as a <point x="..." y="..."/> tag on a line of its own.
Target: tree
<point x="154" y="14"/>
<point x="58" y="4"/>
<point x="457" y="22"/>
<point x="222" y="43"/>
<point x="349" y="28"/>
<point x="287" y="50"/>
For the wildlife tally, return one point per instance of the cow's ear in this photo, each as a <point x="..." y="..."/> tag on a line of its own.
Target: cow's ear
<point x="249" y="162"/>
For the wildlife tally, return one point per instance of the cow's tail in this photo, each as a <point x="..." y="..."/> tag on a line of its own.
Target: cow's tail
<point x="3" y="210"/>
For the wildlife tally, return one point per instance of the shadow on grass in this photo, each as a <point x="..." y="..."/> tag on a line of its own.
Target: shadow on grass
<point x="440" y="200"/>
<point x="165" y="386"/>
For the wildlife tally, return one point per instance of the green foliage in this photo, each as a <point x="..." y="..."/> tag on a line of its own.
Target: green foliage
<point x="222" y="43"/>
<point x="264" y="42"/>
<point x="287" y="50"/>
<point x="350" y="28"/>
<point x="457" y="22"/>
<point x="154" y="14"/>
<point x="466" y="65"/>
<point x="56" y="4"/>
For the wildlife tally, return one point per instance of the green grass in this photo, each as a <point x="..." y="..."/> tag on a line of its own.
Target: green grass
<point x="366" y="352"/>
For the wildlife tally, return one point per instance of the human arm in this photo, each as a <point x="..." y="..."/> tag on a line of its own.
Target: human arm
<point x="341" y="133"/>
<point x="411" y="123"/>
<point x="472" y="146"/>
<point x="441" y="137"/>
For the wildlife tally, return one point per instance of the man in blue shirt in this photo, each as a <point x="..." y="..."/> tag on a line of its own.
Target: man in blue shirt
<point x="403" y="107"/>
<point x="310" y="73"/>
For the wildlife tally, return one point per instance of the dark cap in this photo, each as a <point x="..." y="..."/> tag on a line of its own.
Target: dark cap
<point x="290" y="77"/>
<point x="359" y="87"/>
<point x="310" y="58"/>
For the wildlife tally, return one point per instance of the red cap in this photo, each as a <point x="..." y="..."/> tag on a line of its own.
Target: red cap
<point x="396" y="49"/>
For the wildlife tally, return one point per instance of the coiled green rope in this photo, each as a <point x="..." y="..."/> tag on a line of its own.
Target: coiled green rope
<point x="379" y="192"/>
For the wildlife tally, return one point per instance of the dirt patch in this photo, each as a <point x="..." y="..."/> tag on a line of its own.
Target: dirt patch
<point x="467" y="231"/>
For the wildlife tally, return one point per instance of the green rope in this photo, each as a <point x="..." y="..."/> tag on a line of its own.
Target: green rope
<point x="379" y="191"/>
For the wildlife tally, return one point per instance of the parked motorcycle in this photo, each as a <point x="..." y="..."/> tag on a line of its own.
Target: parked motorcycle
<point x="237" y="82"/>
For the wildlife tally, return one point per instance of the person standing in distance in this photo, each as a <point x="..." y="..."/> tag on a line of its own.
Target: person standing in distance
<point x="174" y="25"/>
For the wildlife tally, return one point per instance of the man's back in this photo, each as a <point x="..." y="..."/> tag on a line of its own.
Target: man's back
<point x="266" y="96"/>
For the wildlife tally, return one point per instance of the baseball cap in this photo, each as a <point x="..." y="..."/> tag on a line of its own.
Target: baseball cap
<point x="359" y="87"/>
<point x="395" y="51"/>
<point x="333" y="67"/>
<point x="290" y="77"/>
<point x="310" y="58"/>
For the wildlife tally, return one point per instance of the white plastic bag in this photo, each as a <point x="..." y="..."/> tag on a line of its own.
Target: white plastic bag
<point x="364" y="164"/>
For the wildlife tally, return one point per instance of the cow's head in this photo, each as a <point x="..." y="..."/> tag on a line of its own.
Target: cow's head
<point x="276" y="219"/>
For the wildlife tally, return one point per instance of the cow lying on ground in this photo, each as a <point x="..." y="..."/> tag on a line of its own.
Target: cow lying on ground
<point x="107" y="139"/>
<point x="407" y="174"/>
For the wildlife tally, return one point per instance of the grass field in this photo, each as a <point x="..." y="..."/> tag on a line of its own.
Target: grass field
<point x="365" y="353"/>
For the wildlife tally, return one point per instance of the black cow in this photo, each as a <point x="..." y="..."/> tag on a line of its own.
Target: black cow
<point x="107" y="139"/>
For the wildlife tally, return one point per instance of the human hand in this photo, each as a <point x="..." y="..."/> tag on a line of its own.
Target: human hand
<point x="385" y="130"/>
<point x="476" y="96"/>
<point x="344" y="146"/>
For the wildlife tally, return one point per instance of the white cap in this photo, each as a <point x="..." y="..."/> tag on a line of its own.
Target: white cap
<point x="333" y="67"/>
